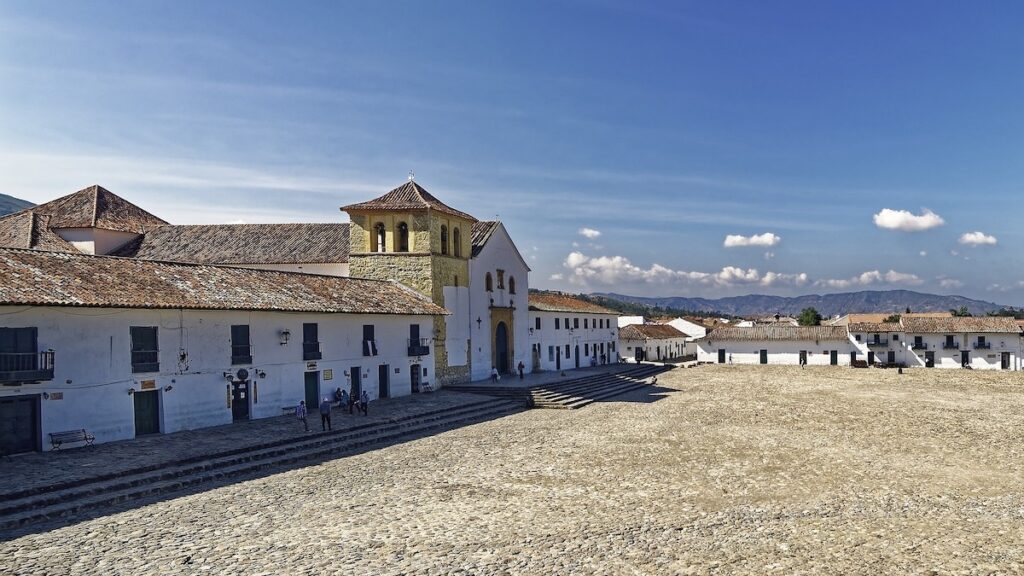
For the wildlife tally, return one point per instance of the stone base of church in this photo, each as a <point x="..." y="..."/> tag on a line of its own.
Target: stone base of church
<point x="452" y="375"/>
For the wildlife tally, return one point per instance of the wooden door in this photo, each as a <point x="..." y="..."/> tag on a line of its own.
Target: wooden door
<point x="414" y="377"/>
<point x="147" y="413"/>
<point x="357" y="381"/>
<point x="383" y="382"/>
<point x="239" y="400"/>
<point x="833" y="358"/>
<point x="312" y="391"/>
<point x="764" y="356"/>
<point x="721" y="355"/>
<point x="1005" y="361"/>
<point x="19" y="424"/>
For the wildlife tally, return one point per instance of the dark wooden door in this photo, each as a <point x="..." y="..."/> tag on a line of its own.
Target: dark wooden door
<point x="240" y="400"/>
<point x="558" y="357"/>
<point x="929" y="359"/>
<point x="764" y="356"/>
<point x="803" y="357"/>
<point x="383" y="384"/>
<point x="501" y="361"/>
<point x="871" y="358"/>
<point x="1005" y="363"/>
<point x="357" y="381"/>
<point x="414" y="377"/>
<point x="312" y="391"/>
<point x="721" y="355"/>
<point x="965" y="358"/>
<point x="577" y="355"/>
<point x="19" y="424"/>
<point x="147" y="413"/>
<point x="833" y="358"/>
<point x="890" y="357"/>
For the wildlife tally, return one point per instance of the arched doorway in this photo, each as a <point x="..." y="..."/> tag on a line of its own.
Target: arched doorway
<point x="501" y="361"/>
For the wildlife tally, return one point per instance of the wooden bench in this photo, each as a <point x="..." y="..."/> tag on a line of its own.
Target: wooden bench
<point x="57" y="439"/>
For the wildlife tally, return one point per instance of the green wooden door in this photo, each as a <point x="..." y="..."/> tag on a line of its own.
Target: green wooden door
<point x="147" y="413"/>
<point x="19" y="424"/>
<point x="312" y="391"/>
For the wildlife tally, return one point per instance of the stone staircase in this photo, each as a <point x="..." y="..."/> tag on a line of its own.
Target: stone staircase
<point x="585" y="391"/>
<point x="69" y="498"/>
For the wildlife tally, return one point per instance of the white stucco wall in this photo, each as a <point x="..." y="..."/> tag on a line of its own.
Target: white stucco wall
<point x="657" y="349"/>
<point x="93" y="363"/>
<point x="693" y="331"/>
<point x="980" y="359"/>
<point x="498" y="253"/>
<point x="95" y="240"/>
<point x="553" y="342"/>
<point x="779" y="352"/>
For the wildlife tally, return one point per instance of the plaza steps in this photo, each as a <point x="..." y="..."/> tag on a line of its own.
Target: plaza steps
<point x="70" y="498"/>
<point x="574" y="392"/>
<point x="580" y="394"/>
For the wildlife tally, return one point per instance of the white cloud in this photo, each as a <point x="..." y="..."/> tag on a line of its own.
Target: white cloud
<point x="769" y="255"/>
<point x="923" y="253"/>
<point x="589" y="233"/>
<point x="766" y="239"/>
<point x="906" y="221"/>
<point x="871" y="277"/>
<point x="950" y="283"/>
<point x="615" y="270"/>
<point x="556" y="277"/>
<point x="978" y="239"/>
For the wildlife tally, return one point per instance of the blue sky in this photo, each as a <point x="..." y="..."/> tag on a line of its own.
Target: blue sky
<point x="866" y="145"/>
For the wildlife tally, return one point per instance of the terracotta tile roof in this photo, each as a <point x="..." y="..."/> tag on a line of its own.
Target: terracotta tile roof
<point x="880" y="317"/>
<point x="27" y="229"/>
<point x="875" y="327"/>
<point x="408" y="196"/>
<point x="555" y="302"/>
<point x="649" y="332"/>
<point x="779" y="332"/>
<point x="482" y="231"/>
<point x="952" y="325"/>
<point x="95" y="207"/>
<point x="32" y="277"/>
<point x="243" y="244"/>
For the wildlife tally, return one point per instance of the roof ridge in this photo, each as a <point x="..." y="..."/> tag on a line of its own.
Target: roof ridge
<point x="95" y="202"/>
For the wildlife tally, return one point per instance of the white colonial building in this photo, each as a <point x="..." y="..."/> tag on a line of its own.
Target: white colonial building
<point x="122" y="347"/>
<point x="984" y="343"/>
<point x="652" y="342"/>
<point x="778" y="344"/>
<point x="568" y="332"/>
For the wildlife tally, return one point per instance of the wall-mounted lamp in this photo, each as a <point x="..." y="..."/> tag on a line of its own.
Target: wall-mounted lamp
<point x="46" y="395"/>
<point x="531" y="330"/>
<point x="285" y="335"/>
<point x="168" y="388"/>
<point x="131" y="391"/>
<point x="345" y="373"/>
<point x="228" y="376"/>
<point x="260" y="373"/>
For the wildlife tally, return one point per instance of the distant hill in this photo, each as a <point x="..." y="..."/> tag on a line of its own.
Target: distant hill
<point x="826" y="304"/>
<point x="10" y="204"/>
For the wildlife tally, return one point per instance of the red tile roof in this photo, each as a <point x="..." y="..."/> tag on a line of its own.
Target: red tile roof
<point x="33" y="277"/>
<point x="94" y="207"/>
<point x="408" y="196"/>
<point x="779" y="332"/>
<point x="989" y="324"/>
<point x="556" y="302"/>
<point x="243" y="244"/>
<point x="649" y="332"/>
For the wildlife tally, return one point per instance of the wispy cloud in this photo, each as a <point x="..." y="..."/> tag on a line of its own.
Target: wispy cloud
<point x="766" y="239"/>
<point x="905" y="221"/>
<point x="871" y="277"/>
<point x="589" y="233"/>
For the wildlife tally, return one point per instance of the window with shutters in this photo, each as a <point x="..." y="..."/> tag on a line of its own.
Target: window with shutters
<point x="369" y="342"/>
<point x="444" y="240"/>
<point x="311" y="341"/>
<point x="241" y="348"/>
<point x="145" y="351"/>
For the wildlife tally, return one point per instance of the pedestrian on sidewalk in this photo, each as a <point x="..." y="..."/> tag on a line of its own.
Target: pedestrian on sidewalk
<point x="325" y="414"/>
<point x="494" y="375"/>
<point x="300" y="413"/>
<point x="521" y="368"/>
<point x="345" y="402"/>
<point x="338" y="397"/>
<point x="364" y="403"/>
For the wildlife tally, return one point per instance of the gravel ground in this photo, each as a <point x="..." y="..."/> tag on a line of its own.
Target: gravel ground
<point x="719" y="469"/>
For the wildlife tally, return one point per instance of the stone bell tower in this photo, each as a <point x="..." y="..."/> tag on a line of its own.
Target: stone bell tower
<point x="410" y="236"/>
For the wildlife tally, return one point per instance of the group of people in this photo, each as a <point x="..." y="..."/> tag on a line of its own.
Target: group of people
<point x="343" y="399"/>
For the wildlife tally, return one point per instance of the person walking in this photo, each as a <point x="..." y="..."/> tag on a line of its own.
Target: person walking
<point x="338" y="397"/>
<point x="364" y="403"/>
<point x="521" y="367"/>
<point x="300" y="413"/>
<point x="325" y="414"/>
<point x="494" y="375"/>
<point x="346" y="402"/>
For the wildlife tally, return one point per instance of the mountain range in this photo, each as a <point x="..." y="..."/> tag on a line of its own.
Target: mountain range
<point x="826" y="304"/>
<point x="9" y="204"/>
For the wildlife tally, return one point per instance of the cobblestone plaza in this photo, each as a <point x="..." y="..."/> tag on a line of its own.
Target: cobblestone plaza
<point x="716" y="469"/>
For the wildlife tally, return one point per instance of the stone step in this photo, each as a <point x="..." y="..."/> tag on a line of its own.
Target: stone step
<point x="59" y="486"/>
<point x="547" y="393"/>
<point x="104" y="493"/>
<point x="597" y="394"/>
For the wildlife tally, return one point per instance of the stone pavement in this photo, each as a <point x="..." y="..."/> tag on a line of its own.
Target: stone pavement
<point x="36" y="470"/>
<point x="547" y="377"/>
